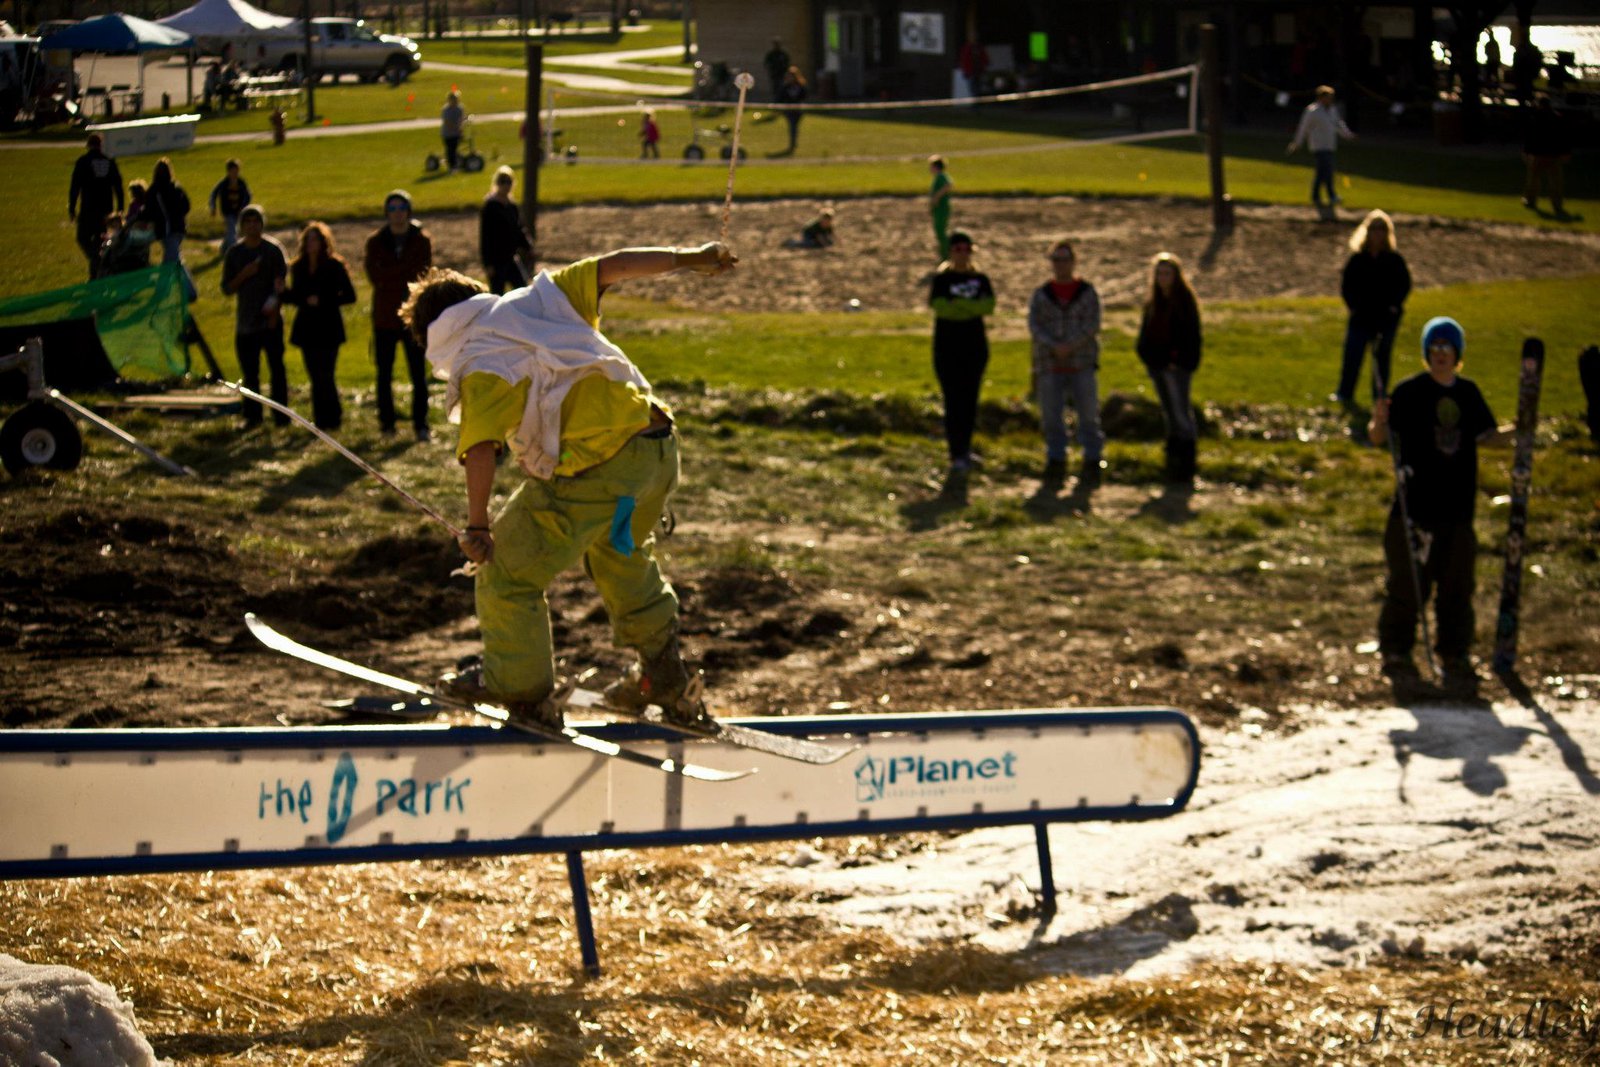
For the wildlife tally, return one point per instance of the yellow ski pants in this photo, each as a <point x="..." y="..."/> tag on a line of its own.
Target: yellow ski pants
<point x="607" y="517"/>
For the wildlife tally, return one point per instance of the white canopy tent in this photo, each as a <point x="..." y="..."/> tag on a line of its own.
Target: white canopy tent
<point x="215" y="22"/>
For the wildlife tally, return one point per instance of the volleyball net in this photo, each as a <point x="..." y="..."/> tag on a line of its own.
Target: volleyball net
<point x="578" y="125"/>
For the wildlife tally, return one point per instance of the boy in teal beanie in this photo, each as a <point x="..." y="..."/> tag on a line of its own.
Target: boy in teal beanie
<point x="1439" y="419"/>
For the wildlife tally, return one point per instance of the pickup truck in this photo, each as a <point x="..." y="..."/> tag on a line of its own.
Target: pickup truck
<point x="338" y="46"/>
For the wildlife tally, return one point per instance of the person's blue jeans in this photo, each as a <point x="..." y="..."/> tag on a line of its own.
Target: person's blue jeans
<point x="248" y="347"/>
<point x="1056" y="390"/>
<point x="230" y="232"/>
<point x="1322" y="178"/>
<point x="1172" y="386"/>
<point x="1357" y="336"/>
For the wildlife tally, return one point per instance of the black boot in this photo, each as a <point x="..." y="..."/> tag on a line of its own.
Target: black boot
<point x="1187" y="461"/>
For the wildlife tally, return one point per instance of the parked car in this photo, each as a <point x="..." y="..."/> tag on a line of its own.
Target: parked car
<point x="338" y="46"/>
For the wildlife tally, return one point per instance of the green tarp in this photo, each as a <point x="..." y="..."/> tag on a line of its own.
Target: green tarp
<point x="138" y="315"/>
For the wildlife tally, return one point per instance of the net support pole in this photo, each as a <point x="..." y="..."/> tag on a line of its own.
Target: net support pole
<point x="531" y="142"/>
<point x="1211" y="86"/>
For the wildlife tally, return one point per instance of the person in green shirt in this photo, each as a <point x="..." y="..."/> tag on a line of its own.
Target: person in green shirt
<point x="531" y="373"/>
<point x="939" y="204"/>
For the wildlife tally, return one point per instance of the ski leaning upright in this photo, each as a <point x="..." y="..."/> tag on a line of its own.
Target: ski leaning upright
<point x="281" y="643"/>
<point x="1505" y="634"/>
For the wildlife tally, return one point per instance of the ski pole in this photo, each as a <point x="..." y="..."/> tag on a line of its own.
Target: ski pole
<point x="351" y="456"/>
<point x="1379" y="393"/>
<point x="744" y="81"/>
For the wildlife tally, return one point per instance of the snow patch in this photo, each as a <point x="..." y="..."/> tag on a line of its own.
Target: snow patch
<point x="55" y="1016"/>
<point x="1462" y="832"/>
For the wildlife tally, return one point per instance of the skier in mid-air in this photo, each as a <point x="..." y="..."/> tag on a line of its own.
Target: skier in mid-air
<point x="531" y="371"/>
<point x="1440" y="419"/>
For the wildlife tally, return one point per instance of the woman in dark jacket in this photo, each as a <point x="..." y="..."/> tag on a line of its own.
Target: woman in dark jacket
<point x="167" y="209"/>
<point x="501" y="236"/>
<point x="1375" y="286"/>
<point x="1169" y="346"/>
<point x="319" y="285"/>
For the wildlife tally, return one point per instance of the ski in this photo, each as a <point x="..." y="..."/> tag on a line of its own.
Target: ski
<point x="566" y="735"/>
<point x="1505" y="635"/>
<point x="795" y="748"/>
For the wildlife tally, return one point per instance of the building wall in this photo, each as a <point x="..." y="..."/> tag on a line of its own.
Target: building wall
<point x="740" y="32"/>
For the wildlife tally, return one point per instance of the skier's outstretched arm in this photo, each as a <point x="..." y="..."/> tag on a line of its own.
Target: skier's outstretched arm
<point x="710" y="258"/>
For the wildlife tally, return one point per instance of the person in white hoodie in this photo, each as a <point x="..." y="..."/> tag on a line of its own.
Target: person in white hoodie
<point x="1320" y="129"/>
<point x="531" y="372"/>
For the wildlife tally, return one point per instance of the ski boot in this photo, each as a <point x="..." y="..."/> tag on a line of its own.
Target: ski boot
<point x="466" y="686"/>
<point x="667" y="682"/>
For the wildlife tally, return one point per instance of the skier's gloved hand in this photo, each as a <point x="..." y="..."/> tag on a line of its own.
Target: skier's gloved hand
<point x="477" y="544"/>
<point x="713" y="257"/>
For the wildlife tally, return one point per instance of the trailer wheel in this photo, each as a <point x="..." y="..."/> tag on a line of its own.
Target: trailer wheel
<point x="40" y="435"/>
<point x="694" y="152"/>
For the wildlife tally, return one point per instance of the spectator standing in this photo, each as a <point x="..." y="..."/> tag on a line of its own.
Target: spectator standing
<point x="229" y="195"/>
<point x="1169" y="347"/>
<point x="213" y="86"/>
<point x="501" y="235"/>
<point x="649" y="136"/>
<point x="1064" y="322"/>
<point x="531" y="371"/>
<point x="776" y="62"/>
<point x="319" y="285"/>
<point x="452" y="122"/>
<point x="1439" y="419"/>
<point x="960" y="296"/>
<point x="169" y="213"/>
<point x="1320" y="130"/>
<point x="1375" y="285"/>
<point x="253" y="271"/>
<point x="397" y="254"/>
<point x="95" y="192"/>
<point x="939" y="196"/>
<point x="973" y="62"/>
<point x="793" y="93"/>
<point x="1546" y="147"/>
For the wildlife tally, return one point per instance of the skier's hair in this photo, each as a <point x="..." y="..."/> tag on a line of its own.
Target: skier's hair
<point x="1358" y="240"/>
<point x="434" y="292"/>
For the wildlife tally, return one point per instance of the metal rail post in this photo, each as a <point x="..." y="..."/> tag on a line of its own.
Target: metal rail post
<point x="581" y="915"/>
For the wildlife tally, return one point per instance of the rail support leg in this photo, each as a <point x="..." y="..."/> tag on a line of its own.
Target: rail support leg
<point x="580" y="913"/>
<point x="1047" y="874"/>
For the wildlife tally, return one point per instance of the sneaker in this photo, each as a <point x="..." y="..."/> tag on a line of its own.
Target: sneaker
<point x="665" y="681"/>
<point x="1093" y="472"/>
<point x="424" y="434"/>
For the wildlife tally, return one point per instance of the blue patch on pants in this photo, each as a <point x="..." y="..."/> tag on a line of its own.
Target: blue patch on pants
<point x="622" y="526"/>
